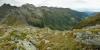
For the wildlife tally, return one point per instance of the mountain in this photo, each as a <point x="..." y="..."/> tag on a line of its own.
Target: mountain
<point x="14" y="19"/>
<point x="30" y="37"/>
<point x="90" y="21"/>
<point x="4" y="10"/>
<point x="52" y="17"/>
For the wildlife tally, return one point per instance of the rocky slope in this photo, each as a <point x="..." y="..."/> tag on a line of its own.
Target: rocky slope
<point x="33" y="38"/>
<point x="28" y="14"/>
<point x="28" y="28"/>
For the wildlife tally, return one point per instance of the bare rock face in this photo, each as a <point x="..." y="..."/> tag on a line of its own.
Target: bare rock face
<point x="88" y="37"/>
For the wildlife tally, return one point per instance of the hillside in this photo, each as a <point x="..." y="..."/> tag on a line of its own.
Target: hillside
<point x="90" y="21"/>
<point x="28" y="14"/>
<point x="47" y="28"/>
<point x="33" y="38"/>
<point x="4" y="10"/>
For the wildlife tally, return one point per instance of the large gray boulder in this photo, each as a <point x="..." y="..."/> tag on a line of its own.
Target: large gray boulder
<point x="88" y="37"/>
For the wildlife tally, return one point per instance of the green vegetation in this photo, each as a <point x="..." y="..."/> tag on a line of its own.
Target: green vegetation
<point x="18" y="35"/>
<point x="10" y="46"/>
<point x="46" y="28"/>
<point x="90" y="21"/>
<point x="45" y="39"/>
<point x="54" y="18"/>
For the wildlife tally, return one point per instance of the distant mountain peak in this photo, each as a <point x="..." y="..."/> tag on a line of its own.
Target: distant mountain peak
<point x="6" y="5"/>
<point x="28" y="5"/>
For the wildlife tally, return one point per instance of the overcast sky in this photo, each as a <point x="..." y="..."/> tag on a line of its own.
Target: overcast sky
<point x="85" y="5"/>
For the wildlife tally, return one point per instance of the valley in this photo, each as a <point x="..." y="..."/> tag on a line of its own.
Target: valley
<point x="48" y="28"/>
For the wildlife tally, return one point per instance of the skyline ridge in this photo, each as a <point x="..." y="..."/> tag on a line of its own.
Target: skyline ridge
<point x="79" y="9"/>
<point x="80" y="5"/>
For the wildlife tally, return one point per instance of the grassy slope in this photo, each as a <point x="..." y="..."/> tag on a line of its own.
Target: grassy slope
<point x="90" y="21"/>
<point x="46" y="39"/>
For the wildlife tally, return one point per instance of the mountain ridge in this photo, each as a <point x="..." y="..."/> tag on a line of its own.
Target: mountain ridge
<point x="54" y="18"/>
